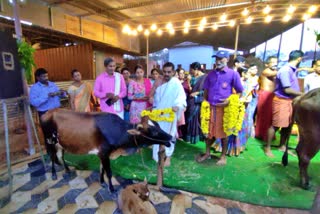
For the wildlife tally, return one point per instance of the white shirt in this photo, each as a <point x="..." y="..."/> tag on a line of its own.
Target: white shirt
<point x="311" y="81"/>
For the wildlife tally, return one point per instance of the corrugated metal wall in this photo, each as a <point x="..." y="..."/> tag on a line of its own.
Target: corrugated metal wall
<point x="60" y="61"/>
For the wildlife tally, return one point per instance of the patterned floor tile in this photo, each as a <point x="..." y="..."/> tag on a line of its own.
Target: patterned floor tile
<point x="210" y="208"/>
<point x="36" y="181"/>
<point x="20" y="180"/>
<point x="4" y="191"/>
<point x="66" y="178"/>
<point x="22" y="169"/>
<point x="91" y="190"/>
<point x="69" y="197"/>
<point x="104" y="195"/>
<point x="195" y="210"/>
<point x="158" y="197"/>
<point x="93" y="177"/>
<point x="87" y="211"/>
<point x="107" y="207"/>
<point x="86" y="201"/>
<point x="163" y="208"/>
<point x="50" y="204"/>
<point x="78" y="183"/>
<point x="232" y="210"/>
<point x="41" y="196"/>
<point x="44" y="185"/>
<point x="4" y="182"/>
<point x="5" y="199"/>
<point x="30" y="211"/>
<point x="81" y="192"/>
<point x="68" y="209"/>
<point x="18" y="199"/>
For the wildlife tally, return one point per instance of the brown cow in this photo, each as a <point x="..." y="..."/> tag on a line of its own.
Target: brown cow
<point x="99" y="133"/>
<point x="306" y="113"/>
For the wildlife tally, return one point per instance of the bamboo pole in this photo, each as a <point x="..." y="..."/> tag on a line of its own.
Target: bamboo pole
<point x="236" y="42"/>
<point x="147" y="55"/>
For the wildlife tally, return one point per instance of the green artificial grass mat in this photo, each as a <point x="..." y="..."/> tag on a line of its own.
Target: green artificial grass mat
<point x="251" y="177"/>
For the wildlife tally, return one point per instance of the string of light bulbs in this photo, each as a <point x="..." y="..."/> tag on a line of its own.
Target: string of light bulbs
<point x="247" y="17"/>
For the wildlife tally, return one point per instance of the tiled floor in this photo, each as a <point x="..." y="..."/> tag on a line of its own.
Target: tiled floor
<point x="80" y="192"/>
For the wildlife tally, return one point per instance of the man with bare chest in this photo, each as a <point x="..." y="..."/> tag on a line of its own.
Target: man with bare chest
<point x="265" y="96"/>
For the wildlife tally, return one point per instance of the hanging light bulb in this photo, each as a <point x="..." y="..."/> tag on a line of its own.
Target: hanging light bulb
<point x="153" y="27"/>
<point x="126" y="29"/>
<point x="186" y="24"/>
<point x="249" y="20"/>
<point x="268" y="19"/>
<point x="203" y="21"/>
<point x="186" y="30"/>
<point x="147" y="32"/>
<point x="306" y="16"/>
<point x="245" y="12"/>
<point x="169" y="26"/>
<point x="312" y="9"/>
<point x="200" y="28"/>
<point x="291" y="9"/>
<point x="223" y="17"/>
<point x="134" y="33"/>
<point x="215" y="26"/>
<point x="171" y="31"/>
<point x="267" y="9"/>
<point x="140" y="28"/>
<point x="232" y="23"/>
<point x="159" y="32"/>
<point x="286" y="18"/>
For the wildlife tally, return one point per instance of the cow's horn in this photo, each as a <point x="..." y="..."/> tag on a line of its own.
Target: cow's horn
<point x="139" y="126"/>
<point x="144" y="122"/>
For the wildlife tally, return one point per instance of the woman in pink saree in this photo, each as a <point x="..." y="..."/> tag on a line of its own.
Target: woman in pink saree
<point x="80" y="93"/>
<point x="138" y="92"/>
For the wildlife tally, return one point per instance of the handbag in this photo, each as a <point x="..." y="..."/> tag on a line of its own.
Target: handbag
<point x="198" y="99"/>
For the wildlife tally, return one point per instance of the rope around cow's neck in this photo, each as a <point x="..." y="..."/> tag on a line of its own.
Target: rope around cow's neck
<point x="140" y="151"/>
<point x="157" y="140"/>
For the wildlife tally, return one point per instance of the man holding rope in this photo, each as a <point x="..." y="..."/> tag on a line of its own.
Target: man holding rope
<point x="167" y="92"/>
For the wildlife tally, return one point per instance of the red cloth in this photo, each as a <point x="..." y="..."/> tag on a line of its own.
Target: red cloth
<point x="216" y="122"/>
<point x="264" y="114"/>
<point x="281" y="112"/>
<point x="148" y="85"/>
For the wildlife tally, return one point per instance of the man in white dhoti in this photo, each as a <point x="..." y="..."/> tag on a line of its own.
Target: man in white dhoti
<point x="168" y="93"/>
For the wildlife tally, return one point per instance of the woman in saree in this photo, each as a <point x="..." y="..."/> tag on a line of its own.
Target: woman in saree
<point x="80" y="94"/>
<point x="138" y="92"/>
<point x="250" y="99"/>
<point x="193" y="130"/>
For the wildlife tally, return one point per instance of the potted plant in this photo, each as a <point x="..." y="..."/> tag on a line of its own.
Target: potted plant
<point x="26" y="58"/>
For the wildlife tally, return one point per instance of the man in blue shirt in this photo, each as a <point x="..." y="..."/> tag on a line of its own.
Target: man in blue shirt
<point x="45" y="95"/>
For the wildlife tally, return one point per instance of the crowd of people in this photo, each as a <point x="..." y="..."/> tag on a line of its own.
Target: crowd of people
<point x="266" y="96"/>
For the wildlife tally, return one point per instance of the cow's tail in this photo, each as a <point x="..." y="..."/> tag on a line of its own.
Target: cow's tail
<point x="285" y="154"/>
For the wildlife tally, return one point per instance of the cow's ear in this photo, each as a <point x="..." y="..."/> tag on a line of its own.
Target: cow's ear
<point x="134" y="132"/>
